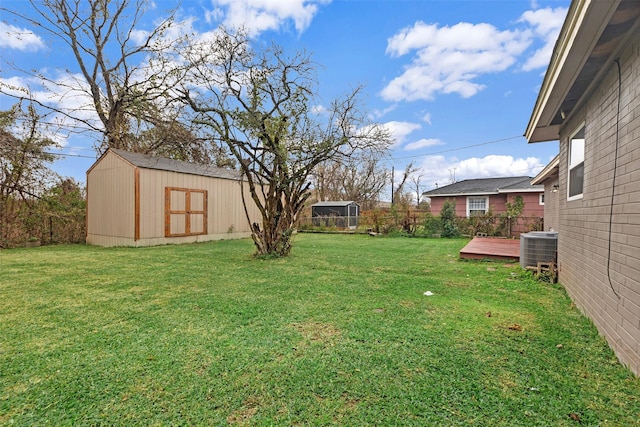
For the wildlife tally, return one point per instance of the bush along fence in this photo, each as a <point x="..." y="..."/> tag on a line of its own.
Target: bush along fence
<point x="425" y="224"/>
<point x="57" y="216"/>
<point x="33" y="228"/>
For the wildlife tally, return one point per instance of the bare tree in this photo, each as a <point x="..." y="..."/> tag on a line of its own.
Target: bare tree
<point x="360" y="177"/>
<point x="259" y="104"/>
<point x="126" y="84"/>
<point x="415" y="180"/>
<point x="399" y="195"/>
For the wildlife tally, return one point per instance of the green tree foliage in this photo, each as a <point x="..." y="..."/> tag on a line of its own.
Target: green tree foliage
<point x="24" y="171"/>
<point x="448" y="218"/>
<point x="514" y="209"/>
<point x="63" y="208"/>
<point x="35" y="203"/>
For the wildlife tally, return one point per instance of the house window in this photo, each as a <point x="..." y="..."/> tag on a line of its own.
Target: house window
<point x="541" y="200"/>
<point x="576" y="165"/>
<point x="477" y="205"/>
<point x="185" y="212"/>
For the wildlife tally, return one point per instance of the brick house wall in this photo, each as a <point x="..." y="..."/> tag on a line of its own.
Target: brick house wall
<point x="609" y="296"/>
<point x="532" y="206"/>
<point x="551" y="204"/>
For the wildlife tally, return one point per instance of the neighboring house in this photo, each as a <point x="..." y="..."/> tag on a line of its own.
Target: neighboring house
<point x="548" y="177"/>
<point x="341" y="214"/>
<point x="477" y="196"/>
<point x="589" y="101"/>
<point x="141" y="200"/>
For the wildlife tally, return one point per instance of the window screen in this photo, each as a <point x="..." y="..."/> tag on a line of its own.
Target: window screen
<point x="476" y="206"/>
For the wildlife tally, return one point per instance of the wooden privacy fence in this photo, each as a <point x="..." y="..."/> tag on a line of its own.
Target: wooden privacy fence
<point x="496" y="225"/>
<point x="423" y="223"/>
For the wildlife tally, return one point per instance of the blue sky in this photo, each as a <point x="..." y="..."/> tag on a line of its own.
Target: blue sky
<point x="454" y="81"/>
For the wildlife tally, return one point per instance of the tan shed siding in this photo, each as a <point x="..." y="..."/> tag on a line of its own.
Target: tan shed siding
<point x="584" y="223"/>
<point x="112" y="215"/>
<point x="226" y="210"/>
<point x="223" y="210"/>
<point x="225" y="215"/>
<point x="111" y="200"/>
<point x="151" y="205"/>
<point x="109" y="241"/>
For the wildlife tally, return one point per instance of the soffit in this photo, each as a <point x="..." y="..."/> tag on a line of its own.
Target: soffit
<point x="592" y="36"/>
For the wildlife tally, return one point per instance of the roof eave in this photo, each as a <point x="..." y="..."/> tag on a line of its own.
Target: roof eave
<point x="520" y="190"/>
<point x="544" y="134"/>
<point x="96" y="162"/>
<point x="547" y="172"/>
<point x="585" y="22"/>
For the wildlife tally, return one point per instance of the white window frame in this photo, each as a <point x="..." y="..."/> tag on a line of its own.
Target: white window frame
<point x="541" y="199"/>
<point x="576" y="155"/>
<point x="486" y="204"/>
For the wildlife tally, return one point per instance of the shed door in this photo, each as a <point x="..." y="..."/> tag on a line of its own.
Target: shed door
<point x="185" y="212"/>
<point x="353" y="216"/>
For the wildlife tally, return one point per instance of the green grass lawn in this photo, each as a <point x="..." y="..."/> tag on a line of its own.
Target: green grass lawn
<point x="339" y="333"/>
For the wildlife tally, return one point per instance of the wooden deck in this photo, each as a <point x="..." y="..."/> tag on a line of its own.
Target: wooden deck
<point x="491" y="248"/>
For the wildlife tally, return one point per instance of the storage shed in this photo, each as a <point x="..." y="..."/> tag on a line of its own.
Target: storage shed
<point x="141" y="200"/>
<point x="340" y="214"/>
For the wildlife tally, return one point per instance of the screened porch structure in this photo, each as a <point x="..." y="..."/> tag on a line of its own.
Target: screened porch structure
<point x="341" y="214"/>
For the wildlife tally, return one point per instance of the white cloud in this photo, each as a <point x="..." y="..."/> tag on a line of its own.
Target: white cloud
<point x="498" y="165"/>
<point x="139" y="36"/>
<point x="449" y="59"/>
<point x="439" y="169"/>
<point x="423" y="143"/>
<point x="376" y="114"/>
<point x="213" y="16"/>
<point x="14" y="86"/>
<point x="546" y="24"/>
<point x="400" y="130"/>
<point x="262" y="15"/>
<point x="64" y="92"/>
<point x="12" y="37"/>
<point x="427" y="118"/>
<point x="319" y="109"/>
<point x="433" y="172"/>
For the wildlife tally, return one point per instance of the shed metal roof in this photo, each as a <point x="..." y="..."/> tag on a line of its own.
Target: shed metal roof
<point x="482" y="186"/>
<point x="147" y="161"/>
<point x="336" y="203"/>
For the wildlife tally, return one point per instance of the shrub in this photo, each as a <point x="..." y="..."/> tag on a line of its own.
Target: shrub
<point x="432" y="225"/>
<point x="448" y="219"/>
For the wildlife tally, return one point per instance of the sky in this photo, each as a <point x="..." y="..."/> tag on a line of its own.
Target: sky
<point x="454" y="81"/>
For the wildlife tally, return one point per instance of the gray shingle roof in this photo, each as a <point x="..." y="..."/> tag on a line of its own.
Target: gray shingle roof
<point x="486" y="186"/>
<point x="147" y="161"/>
